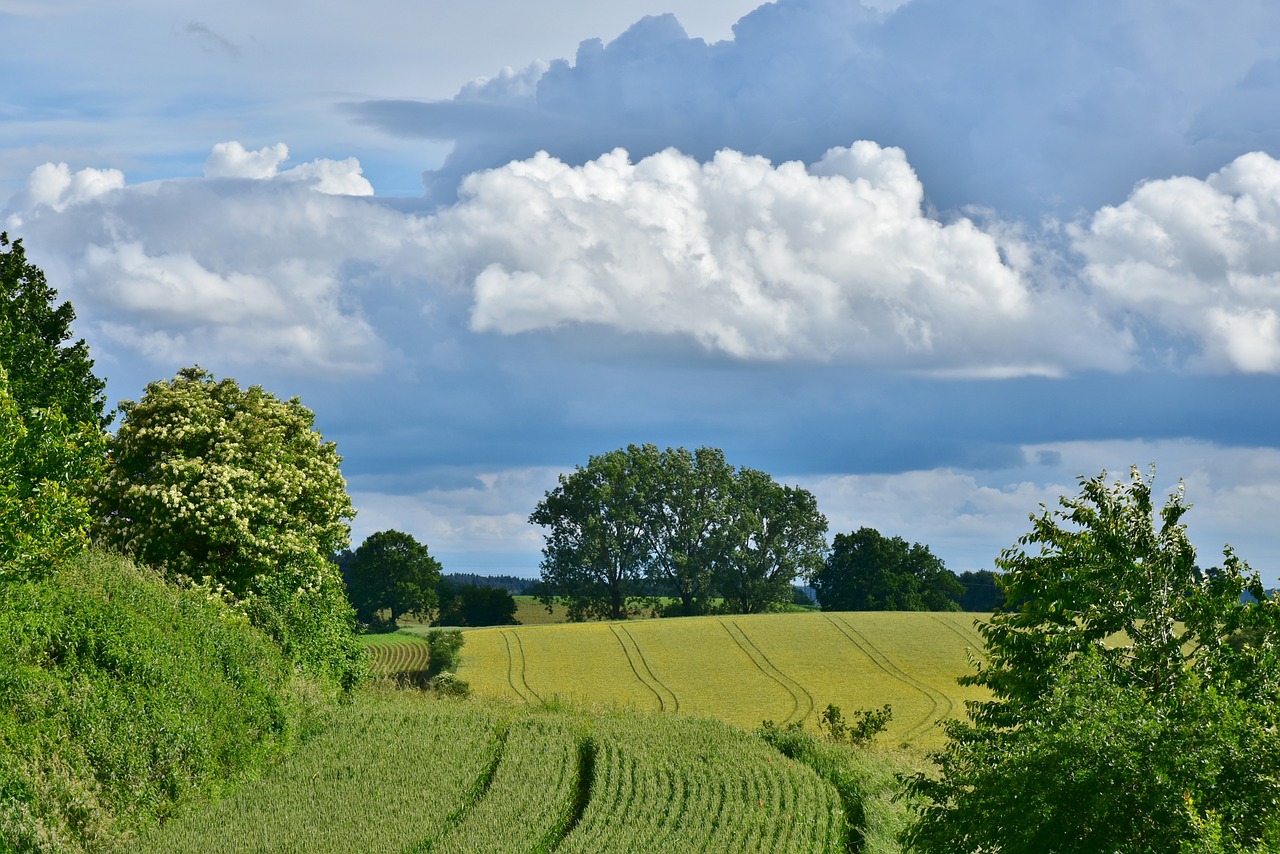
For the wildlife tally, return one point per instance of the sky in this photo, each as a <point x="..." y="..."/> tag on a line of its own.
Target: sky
<point x="933" y="260"/>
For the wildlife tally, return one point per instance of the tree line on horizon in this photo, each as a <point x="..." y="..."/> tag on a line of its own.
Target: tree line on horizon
<point x="638" y="525"/>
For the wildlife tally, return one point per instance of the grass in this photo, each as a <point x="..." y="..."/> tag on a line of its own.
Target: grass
<point x="741" y="669"/>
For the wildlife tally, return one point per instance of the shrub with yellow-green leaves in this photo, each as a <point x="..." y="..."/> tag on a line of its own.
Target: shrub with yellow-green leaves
<point x="234" y="489"/>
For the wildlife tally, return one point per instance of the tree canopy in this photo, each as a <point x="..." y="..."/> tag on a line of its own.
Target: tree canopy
<point x="595" y="549"/>
<point x="46" y="467"/>
<point x="208" y="481"/>
<point x="638" y="521"/>
<point x="776" y="534"/>
<point x="393" y="571"/>
<point x="44" y="371"/>
<point x="1136" y="698"/>
<point x="867" y="571"/>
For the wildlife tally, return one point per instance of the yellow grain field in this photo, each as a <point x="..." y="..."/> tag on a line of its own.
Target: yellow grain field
<point x="741" y="669"/>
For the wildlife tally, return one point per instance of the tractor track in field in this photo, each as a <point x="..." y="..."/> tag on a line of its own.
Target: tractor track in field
<point x="799" y="696"/>
<point x="667" y="699"/>
<point x="969" y="636"/>
<point x="517" y="669"/>
<point x="886" y="664"/>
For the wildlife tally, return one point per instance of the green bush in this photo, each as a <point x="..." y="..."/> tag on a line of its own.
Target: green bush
<point x="122" y="698"/>
<point x="446" y="649"/>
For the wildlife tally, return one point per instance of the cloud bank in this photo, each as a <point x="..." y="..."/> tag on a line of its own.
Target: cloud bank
<point x="1026" y="106"/>
<point x="834" y="262"/>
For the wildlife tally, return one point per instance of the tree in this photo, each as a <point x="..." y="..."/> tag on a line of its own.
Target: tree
<point x="1127" y="711"/>
<point x="775" y="534"/>
<point x="46" y="464"/>
<point x="685" y="507"/>
<point x="867" y="571"/>
<point x="595" y="546"/>
<point x="982" y="590"/>
<point x="43" y="371"/>
<point x="233" y="487"/>
<point x="393" y="571"/>
<point x="476" y="605"/>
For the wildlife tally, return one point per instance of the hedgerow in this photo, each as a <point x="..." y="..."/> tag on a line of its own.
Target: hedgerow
<point x="123" y="699"/>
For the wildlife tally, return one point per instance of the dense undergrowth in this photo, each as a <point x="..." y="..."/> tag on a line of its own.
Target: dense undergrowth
<point x="123" y="699"/>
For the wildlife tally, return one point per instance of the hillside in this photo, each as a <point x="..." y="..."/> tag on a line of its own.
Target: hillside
<point x="740" y="669"/>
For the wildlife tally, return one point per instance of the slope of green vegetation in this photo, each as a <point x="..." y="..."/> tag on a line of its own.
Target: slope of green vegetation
<point x="123" y="699"/>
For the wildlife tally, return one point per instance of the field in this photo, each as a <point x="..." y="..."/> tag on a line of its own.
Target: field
<point x="740" y="669"/>
<point x="402" y="772"/>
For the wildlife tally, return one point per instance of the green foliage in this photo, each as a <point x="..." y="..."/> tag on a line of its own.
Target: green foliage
<point x="46" y="465"/>
<point x="687" y="498"/>
<point x="122" y="700"/>
<point x="446" y="651"/>
<point x="394" y="571"/>
<point x="776" y="534"/>
<point x="475" y="605"/>
<point x="449" y="684"/>
<point x="866" y="723"/>
<point x="44" y="372"/>
<point x="1117" y="693"/>
<point x="867" y="571"/>
<point x="982" y="591"/>
<point x="596" y="548"/>
<point x="685" y="523"/>
<point x="234" y="489"/>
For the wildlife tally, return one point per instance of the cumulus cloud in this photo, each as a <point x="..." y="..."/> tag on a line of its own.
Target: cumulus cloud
<point x="836" y="261"/>
<point x="253" y="264"/>
<point x="1021" y="105"/>
<point x="1199" y="259"/>
<point x="333" y="177"/>
<point x="54" y="185"/>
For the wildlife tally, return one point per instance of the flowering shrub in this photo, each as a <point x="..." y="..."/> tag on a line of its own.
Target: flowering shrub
<point x="234" y="488"/>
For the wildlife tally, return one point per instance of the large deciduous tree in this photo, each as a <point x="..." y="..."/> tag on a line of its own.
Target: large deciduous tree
<point x="208" y="481"/>
<point x="1136" y="699"/>
<point x="776" y="535"/>
<point x="686" y="501"/>
<point x="393" y="571"/>
<point x="596" y="546"/>
<point x="867" y="571"/>
<point x="44" y="370"/>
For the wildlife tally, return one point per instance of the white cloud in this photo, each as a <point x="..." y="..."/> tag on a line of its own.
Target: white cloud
<point x="1198" y="258"/>
<point x="54" y="185"/>
<point x="231" y="160"/>
<point x="837" y="261"/>
<point x="334" y="177"/>
<point x="255" y="264"/>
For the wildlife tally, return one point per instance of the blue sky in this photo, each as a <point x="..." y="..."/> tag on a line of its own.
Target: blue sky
<point x="932" y="260"/>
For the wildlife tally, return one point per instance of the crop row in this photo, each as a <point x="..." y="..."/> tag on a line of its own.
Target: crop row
<point x="407" y="774"/>
<point x="405" y="655"/>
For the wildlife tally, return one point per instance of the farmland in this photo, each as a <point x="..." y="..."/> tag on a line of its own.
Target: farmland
<point x="740" y="669"/>
<point x="398" y="771"/>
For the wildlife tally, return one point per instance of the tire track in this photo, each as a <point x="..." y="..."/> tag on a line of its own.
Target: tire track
<point x="516" y="669"/>
<point x="667" y="699"/>
<point x="799" y="696"/>
<point x="884" y="663"/>
<point x="968" y="636"/>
